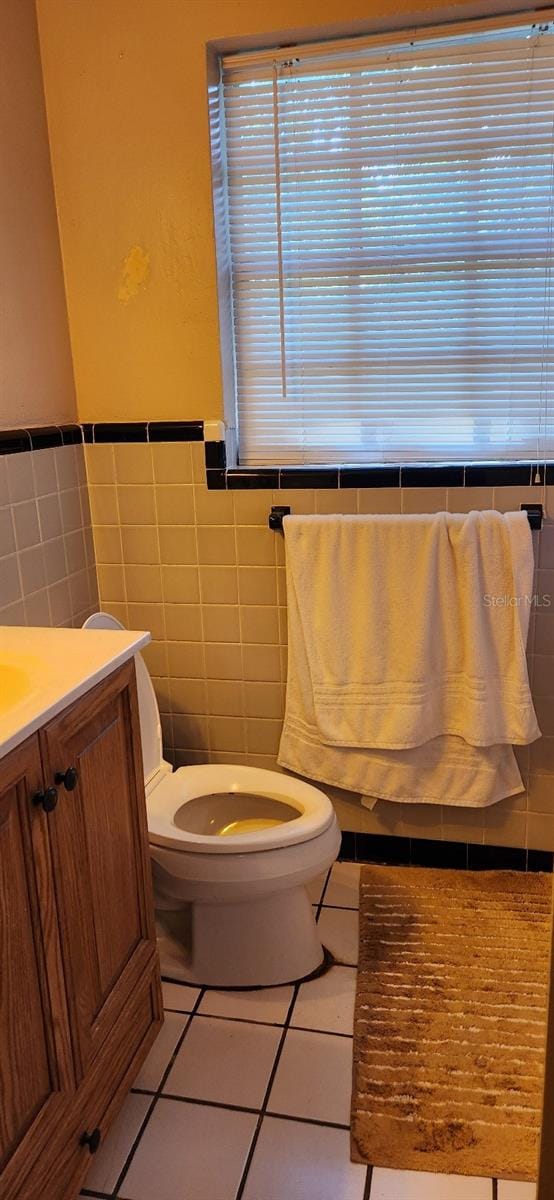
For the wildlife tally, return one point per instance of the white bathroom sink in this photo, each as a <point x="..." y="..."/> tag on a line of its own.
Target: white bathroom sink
<point x="20" y="676"/>
<point x="44" y="670"/>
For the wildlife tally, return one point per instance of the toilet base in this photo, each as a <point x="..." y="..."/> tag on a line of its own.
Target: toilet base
<point x="261" y="942"/>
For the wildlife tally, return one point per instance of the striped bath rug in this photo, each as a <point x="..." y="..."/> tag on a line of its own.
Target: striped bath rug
<point x="450" y="1020"/>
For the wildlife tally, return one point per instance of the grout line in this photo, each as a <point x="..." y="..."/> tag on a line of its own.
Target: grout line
<point x="270" y="1112"/>
<point x="209" y="1103"/>
<point x="494" y="1189"/>
<point x="155" y="1097"/>
<point x="368" y="1182"/>
<point x="206" y="1016"/>
<point x="265" y="1101"/>
<point x="323" y="891"/>
<point x="200" y="1100"/>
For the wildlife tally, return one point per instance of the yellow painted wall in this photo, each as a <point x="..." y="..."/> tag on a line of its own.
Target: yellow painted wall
<point x="36" y="375"/>
<point x="126" y="94"/>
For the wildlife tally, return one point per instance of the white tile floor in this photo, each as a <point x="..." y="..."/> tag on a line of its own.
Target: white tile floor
<point x="246" y="1095"/>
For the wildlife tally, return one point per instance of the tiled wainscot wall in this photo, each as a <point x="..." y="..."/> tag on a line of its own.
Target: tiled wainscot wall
<point x="199" y="567"/>
<point x="47" y="567"/>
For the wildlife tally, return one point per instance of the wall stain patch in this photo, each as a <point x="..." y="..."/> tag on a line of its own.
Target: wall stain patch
<point x="134" y="274"/>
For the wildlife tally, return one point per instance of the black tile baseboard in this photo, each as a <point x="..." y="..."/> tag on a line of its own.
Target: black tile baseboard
<point x="427" y="852"/>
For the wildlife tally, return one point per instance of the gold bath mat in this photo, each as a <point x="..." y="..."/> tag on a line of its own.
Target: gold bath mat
<point x="450" y="1019"/>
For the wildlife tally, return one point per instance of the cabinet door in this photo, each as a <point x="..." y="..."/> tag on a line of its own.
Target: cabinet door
<point x="36" y="1074"/>
<point x="99" y="842"/>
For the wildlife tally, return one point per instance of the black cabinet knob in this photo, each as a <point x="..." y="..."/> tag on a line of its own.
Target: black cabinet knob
<point x="69" y="778"/>
<point x="92" y="1140"/>
<point x="47" y="799"/>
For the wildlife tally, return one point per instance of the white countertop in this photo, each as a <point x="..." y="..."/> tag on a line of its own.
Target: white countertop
<point x="43" y="670"/>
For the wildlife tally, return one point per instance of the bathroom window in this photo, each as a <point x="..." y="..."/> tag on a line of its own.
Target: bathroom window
<point x="389" y="231"/>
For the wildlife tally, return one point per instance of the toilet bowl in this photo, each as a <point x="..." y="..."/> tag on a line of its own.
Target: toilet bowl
<point x="232" y="849"/>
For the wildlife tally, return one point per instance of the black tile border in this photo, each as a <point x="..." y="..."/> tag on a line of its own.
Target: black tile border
<point x="428" y="852"/>
<point x="175" y="431"/>
<point x="45" y="436"/>
<point x="412" y="476"/>
<point x="123" y="431"/>
<point x="244" y="478"/>
<point x="40" y="437"/>
<point x="220" y="476"/>
<point x="15" y="441"/>
<point x="371" y="477"/>
<point x="499" y="475"/>
<point x="215" y="454"/>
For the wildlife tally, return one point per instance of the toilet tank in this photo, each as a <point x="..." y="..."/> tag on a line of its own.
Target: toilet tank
<point x="150" y="726"/>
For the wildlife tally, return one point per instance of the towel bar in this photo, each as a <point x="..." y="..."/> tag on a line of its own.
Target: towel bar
<point x="278" y="511"/>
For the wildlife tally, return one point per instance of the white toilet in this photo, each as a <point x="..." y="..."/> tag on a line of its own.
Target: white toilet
<point x="232" y="850"/>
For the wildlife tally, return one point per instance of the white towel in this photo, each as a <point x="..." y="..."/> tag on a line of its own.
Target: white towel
<point x="401" y="643"/>
<point x="428" y="749"/>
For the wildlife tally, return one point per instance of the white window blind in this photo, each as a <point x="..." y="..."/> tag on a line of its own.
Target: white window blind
<point x="390" y="224"/>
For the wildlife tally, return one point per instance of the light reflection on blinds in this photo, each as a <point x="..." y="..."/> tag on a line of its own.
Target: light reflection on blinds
<point x="391" y="233"/>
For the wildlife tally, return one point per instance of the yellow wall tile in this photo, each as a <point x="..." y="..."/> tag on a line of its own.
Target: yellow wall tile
<point x="257" y="585"/>
<point x="379" y="500"/>
<point x="259" y="623"/>
<point x="186" y="660"/>
<point x="190" y="731"/>
<point x="183" y="622"/>
<point x="100" y="465"/>
<point x="216" y="545"/>
<point x="227" y="733"/>
<point x="225" y="698"/>
<point x="252" y="508"/>
<point x="262" y="663"/>
<point x="218" y="585"/>
<point x="143" y="583"/>
<point x="423" y="500"/>
<point x="213" y="508"/>
<point x="136" y="504"/>
<point x="262" y="736"/>
<point x="111" y="583"/>
<point x="175" y="504"/>
<point x="140" y="544"/>
<point x="263" y="700"/>
<point x="154" y="654"/>
<point x="180" y="585"/>
<point x="344" y="500"/>
<point x="148" y="616"/>
<point x="188" y="695"/>
<point x="178" y="544"/>
<point x="103" y="504"/>
<point x="107" y="543"/>
<point x="223" y="660"/>
<point x="221" y="623"/>
<point x="255" y="547"/>
<point x="172" y="462"/>
<point x="133" y="462"/>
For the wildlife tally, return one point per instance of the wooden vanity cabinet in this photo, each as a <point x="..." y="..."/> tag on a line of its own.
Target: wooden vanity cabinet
<point x="80" y="1000"/>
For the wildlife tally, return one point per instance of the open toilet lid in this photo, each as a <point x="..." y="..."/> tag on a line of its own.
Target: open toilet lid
<point x="149" y="713"/>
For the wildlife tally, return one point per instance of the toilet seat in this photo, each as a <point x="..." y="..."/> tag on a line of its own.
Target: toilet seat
<point x="167" y="797"/>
